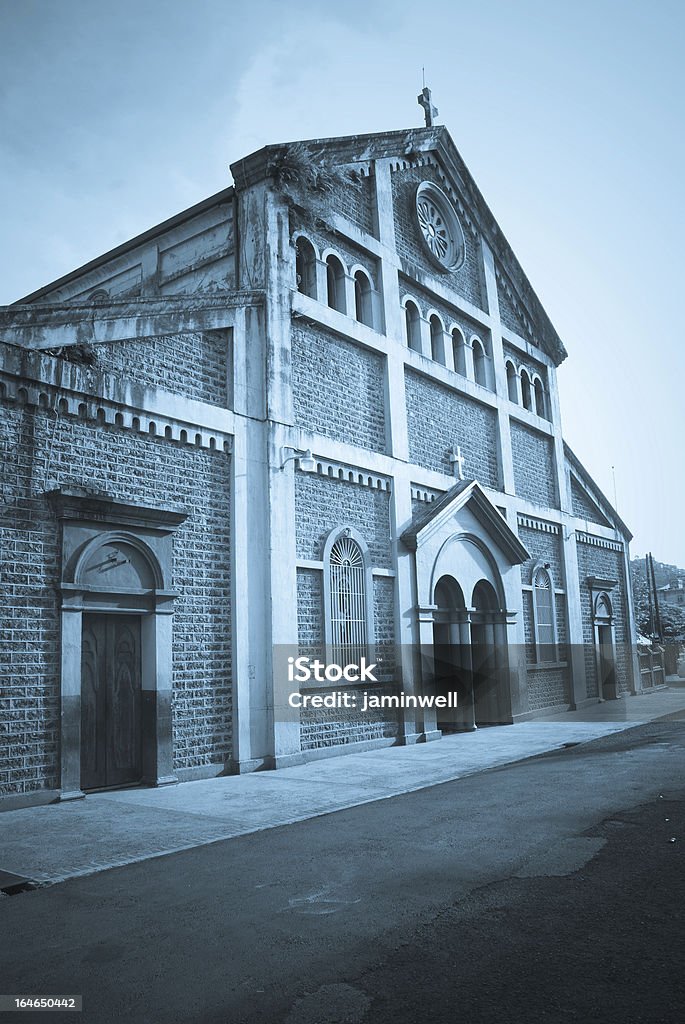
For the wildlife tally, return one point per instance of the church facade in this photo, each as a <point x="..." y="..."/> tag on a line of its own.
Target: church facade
<point x="315" y="413"/>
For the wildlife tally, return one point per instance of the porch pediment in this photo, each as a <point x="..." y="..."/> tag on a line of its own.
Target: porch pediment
<point x="467" y="494"/>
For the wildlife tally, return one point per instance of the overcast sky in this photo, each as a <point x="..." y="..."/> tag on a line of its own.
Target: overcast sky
<point x="569" y="115"/>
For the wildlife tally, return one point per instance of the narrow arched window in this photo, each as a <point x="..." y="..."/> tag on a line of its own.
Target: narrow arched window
<point x="459" y="351"/>
<point x="363" y="299"/>
<point x="349" y="633"/>
<point x="335" y="280"/>
<point x="544" y="613"/>
<point x="305" y="267"/>
<point x="526" y="394"/>
<point x="480" y="372"/>
<point x="512" y="389"/>
<point x="413" y="324"/>
<point x="539" y="393"/>
<point x="437" y="340"/>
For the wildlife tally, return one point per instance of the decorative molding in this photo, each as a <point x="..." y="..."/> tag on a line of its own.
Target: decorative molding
<point x="105" y="412"/>
<point x="427" y="494"/>
<point x="351" y="474"/>
<point x="598" y="542"/>
<point x="537" y="524"/>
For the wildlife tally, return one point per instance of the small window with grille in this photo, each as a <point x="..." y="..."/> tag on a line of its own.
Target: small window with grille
<point x="545" y="619"/>
<point x="349" y="630"/>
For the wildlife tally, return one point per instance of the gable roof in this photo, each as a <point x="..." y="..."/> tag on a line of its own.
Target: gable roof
<point x="595" y="494"/>
<point x="224" y="196"/>
<point x="467" y="493"/>
<point x="404" y="143"/>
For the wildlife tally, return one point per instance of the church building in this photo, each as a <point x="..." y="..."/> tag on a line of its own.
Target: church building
<point x="316" y="412"/>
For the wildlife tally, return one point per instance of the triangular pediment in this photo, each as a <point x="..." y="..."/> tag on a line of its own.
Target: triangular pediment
<point x="58" y="325"/>
<point x="588" y="501"/>
<point x="415" y="146"/>
<point x="466" y="494"/>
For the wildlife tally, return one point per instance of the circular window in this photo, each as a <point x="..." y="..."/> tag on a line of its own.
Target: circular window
<point x="439" y="226"/>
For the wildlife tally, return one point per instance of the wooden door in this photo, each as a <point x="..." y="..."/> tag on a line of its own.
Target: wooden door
<point x="110" y="701"/>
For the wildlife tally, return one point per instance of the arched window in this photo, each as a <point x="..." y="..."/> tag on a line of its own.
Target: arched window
<point x="363" y="299"/>
<point x="526" y="396"/>
<point x="413" y="324"/>
<point x="348" y="610"/>
<point x="459" y="351"/>
<point x="539" y="393"/>
<point x="437" y="340"/>
<point x="544" y="615"/>
<point x="100" y="295"/>
<point x="335" y="280"/>
<point x="480" y="372"/>
<point x="512" y="389"/>
<point x="305" y="267"/>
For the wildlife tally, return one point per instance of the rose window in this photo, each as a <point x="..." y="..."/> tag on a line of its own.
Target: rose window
<point x="439" y="226"/>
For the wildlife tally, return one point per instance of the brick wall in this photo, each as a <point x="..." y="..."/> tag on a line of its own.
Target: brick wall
<point x="324" y="503"/>
<point x="356" y="201"/>
<point x="466" y="281"/>
<point x="310" y="631"/>
<point x="384" y="620"/>
<point x="547" y="688"/>
<point x="510" y="314"/>
<point x="438" y="418"/>
<point x="130" y="467"/>
<point x="584" y="507"/>
<point x="534" y="465"/>
<point x="543" y="547"/>
<point x="334" y="727"/>
<point x="323" y="727"/>
<point x="338" y="388"/>
<point x="598" y="561"/>
<point x="193" y="364"/>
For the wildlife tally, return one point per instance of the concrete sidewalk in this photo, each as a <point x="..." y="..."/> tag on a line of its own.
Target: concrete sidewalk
<point x="50" y="843"/>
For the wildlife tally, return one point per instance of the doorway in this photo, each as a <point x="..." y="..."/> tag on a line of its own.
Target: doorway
<point x="451" y="658"/>
<point x="604" y="647"/>
<point x="111" y="735"/>
<point x="484" y="656"/>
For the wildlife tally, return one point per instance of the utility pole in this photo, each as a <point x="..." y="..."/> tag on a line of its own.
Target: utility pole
<point x="657" y="616"/>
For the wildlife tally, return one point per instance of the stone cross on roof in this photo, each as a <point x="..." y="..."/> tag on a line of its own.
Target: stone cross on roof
<point x="424" y="100"/>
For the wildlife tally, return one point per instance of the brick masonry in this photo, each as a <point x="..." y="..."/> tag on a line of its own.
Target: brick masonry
<point x="597" y="561"/>
<point x="511" y="313"/>
<point x="40" y="452"/>
<point x="547" y="686"/>
<point x="584" y="507"/>
<point x="534" y="467"/>
<point x="356" y="202"/>
<point x="338" y="388"/>
<point x="438" y="418"/>
<point x="323" y="504"/>
<point x="194" y="364"/>
<point x="467" y="280"/>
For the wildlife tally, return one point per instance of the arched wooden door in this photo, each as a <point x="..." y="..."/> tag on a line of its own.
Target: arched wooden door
<point x="111" y="751"/>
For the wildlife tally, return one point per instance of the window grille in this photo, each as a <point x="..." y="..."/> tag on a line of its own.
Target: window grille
<point x="545" y="626"/>
<point x="349" y="634"/>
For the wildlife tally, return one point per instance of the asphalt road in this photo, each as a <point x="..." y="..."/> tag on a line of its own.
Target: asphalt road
<point x="551" y="890"/>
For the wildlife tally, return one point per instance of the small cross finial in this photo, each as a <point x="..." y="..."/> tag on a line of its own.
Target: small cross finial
<point x="424" y="100"/>
<point x="458" y="460"/>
